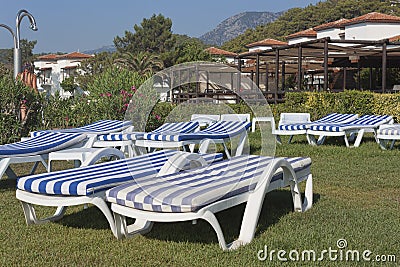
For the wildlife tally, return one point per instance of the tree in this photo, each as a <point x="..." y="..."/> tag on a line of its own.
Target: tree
<point x="94" y="66"/>
<point x="6" y="55"/>
<point x="154" y="35"/>
<point x="188" y="49"/>
<point x="142" y="62"/>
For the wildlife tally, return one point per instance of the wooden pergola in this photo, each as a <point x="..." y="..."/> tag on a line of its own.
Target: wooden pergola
<point x="321" y="57"/>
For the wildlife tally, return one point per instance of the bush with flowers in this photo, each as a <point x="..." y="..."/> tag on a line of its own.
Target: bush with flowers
<point x="19" y="107"/>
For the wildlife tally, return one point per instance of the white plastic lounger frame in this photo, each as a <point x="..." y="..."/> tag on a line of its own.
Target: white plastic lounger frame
<point x="254" y="193"/>
<point x="35" y="149"/>
<point x="236" y="117"/>
<point x="87" y="185"/>
<point x="357" y="127"/>
<point x="388" y="133"/>
<point x="205" y="119"/>
<point x="295" y="123"/>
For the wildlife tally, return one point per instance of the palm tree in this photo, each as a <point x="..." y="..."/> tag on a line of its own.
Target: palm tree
<point x="142" y="62"/>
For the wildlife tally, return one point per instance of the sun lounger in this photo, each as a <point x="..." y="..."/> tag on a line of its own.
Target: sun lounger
<point x="87" y="185"/>
<point x="388" y="133"/>
<point x="35" y="149"/>
<point x="129" y="139"/>
<point x="357" y="127"/>
<point x="217" y="133"/>
<point x="202" y="192"/>
<point x="98" y="127"/>
<point x="298" y="123"/>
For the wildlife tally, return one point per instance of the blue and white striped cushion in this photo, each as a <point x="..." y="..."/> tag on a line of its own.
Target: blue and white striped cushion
<point x="336" y="118"/>
<point x="41" y="144"/>
<point x="332" y="118"/>
<point x="363" y="121"/>
<point x="393" y="130"/>
<point x="120" y="136"/>
<point x="91" y="179"/>
<point x="164" y="132"/>
<point x="217" y="130"/>
<point x="101" y="127"/>
<point x="292" y="127"/>
<point x="189" y="191"/>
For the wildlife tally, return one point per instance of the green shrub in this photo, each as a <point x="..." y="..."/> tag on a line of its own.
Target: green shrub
<point x="15" y="96"/>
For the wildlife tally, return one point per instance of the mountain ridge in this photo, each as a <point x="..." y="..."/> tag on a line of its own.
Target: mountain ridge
<point x="238" y="24"/>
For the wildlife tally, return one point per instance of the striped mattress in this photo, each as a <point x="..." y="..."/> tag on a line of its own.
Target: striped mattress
<point x="91" y="179"/>
<point x="165" y="129"/>
<point x="189" y="191"/>
<point x="390" y="130"/>
<point x="98" y="127"/>
<point x="366" y="121"/>
<point x="42" y="144"/>
<point x="217" y="130"/>
<point x="332" y="118"/>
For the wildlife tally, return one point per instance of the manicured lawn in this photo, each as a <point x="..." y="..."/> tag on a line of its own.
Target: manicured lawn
<point x="356" y="198"/>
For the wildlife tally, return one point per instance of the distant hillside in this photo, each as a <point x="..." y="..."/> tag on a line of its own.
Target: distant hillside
<point x="107" y="48"/>
<point x="236" y="25"/>
<point x="298" y="19"/>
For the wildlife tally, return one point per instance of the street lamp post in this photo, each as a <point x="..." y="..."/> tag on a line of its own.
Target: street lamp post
<point x="16" y="38"/>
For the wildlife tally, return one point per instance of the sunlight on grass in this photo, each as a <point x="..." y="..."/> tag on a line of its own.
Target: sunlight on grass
<point x="356" y="193"/>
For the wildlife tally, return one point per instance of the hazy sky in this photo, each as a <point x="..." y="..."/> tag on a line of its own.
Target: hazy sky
<point x="79" y="25"/>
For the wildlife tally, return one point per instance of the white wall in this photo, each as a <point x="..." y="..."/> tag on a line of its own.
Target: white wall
<point x="333" y="33"/>
<point x="299" y="40"/>
<point x="371" y="31"/>
<point x="259" y="47"/>
<point x="56" y="74"/>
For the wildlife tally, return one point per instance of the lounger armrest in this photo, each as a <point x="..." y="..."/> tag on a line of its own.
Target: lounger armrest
<point x="102" y="153"/>
<point x="182" y="161"/>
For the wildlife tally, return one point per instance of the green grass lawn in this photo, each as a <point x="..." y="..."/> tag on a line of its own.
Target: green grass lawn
<point x="356" y="198"/>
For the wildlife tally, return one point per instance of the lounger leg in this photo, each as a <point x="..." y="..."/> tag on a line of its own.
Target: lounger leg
<point x="321" y="140"/>
<point x="392" y="144"/>
<point x="359" y="138"/>
<point x="101" y="204"/>
<point x="308" y="194"/>
<point x="31" y="218"/>
<point x="311" y="139"/>
<point x="290" y="139"/>
<point x="278" y="139"/>
<point x="242" y="142"/>
<point x="5" y="168"/>
<point x="212" y="220"/>
<point x="346" y="141"/>
<point x="128" y="231"/>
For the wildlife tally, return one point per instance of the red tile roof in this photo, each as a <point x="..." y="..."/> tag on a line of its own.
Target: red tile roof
<point x="267" y="42"/>
<point x="75" y="55"/>
<point x="394" y="38"/>
<point x="306" y="33"/>
<point x="219" y="52"/>
<point x="48" y="57"/>
<point x="374" y="17"/>
<point x="334" y="24"/>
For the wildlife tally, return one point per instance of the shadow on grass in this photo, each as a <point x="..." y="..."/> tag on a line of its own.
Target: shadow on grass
<point x="7" y="184"/>
<point x="276" y="205"/>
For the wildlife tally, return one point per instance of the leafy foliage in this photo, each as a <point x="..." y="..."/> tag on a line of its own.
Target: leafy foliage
<point x="15" y="96"/>
<point x="143" y="63"/>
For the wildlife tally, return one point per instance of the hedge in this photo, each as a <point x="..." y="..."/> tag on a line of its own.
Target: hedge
<point x="56" y="113"/>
